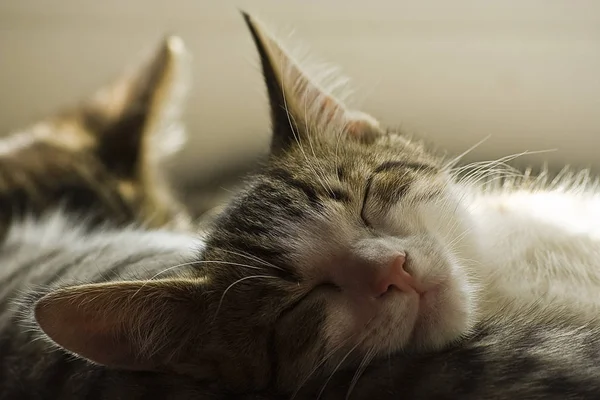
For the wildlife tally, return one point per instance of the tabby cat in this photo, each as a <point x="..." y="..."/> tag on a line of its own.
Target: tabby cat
<point x="355" y="263"/>
<point x="101" y="159"/>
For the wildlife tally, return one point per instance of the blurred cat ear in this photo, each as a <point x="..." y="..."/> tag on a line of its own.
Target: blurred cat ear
<point x="300" y="106"/>
<point x="137" y="119"/>
<point x="128" y="325"/>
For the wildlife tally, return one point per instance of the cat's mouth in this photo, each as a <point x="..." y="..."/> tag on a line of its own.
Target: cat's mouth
<point x="403" y="320"/>
<point x="406" y="311"/>
<point x="426" y="298"/>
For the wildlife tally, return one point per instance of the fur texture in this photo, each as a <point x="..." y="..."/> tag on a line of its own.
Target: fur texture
<point x="357" y="263"/>
<point x="41" y="255"/>
<point x="341" y="198"/>
<point x="54" y="259"/>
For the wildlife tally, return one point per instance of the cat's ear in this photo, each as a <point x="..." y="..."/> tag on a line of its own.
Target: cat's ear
<point x="137" y="119"/>
<point x="300" y="105"/>
<point x="129" y="325"/>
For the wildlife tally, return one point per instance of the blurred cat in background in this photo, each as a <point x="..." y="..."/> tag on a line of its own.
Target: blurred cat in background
<point x="101" y="158"/>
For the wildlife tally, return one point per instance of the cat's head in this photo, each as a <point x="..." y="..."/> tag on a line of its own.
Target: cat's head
<point x="353" y="235"/>
<point x="348" y="245"/>
<point x="101" y="158"/>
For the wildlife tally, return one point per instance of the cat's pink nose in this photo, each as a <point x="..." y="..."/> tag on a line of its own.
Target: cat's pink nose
<point x="394" y="276"/>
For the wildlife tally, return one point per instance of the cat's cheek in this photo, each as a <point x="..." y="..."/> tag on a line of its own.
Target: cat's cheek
<point x="394" y="327"/>
<point x="341" y="321"/>
<point x="446" y="315"/>
<point x="383" y="324"/>
<point x="446" y="310"/>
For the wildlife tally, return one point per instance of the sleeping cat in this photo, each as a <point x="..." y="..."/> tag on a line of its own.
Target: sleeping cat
<point x="101" y="159"/>
<point x="353" y="246"/>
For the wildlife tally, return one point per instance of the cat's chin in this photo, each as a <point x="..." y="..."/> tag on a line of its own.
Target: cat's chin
<point x="434" y="317"/>
<point x="443" y="317"/>
<point x="423" y="322"/>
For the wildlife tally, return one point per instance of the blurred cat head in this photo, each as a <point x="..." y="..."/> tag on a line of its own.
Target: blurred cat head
<point x="101" y="159"/>
<point x="350" y="244"/>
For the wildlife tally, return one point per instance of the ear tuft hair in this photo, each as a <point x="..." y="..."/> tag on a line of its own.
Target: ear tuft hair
<point x="303" y="106"/>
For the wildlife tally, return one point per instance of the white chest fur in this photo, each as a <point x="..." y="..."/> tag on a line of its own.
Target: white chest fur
<point x="539" y="247"/>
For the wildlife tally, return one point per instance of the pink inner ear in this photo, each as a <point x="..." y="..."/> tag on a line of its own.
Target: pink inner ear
<point x="122" y="324"/>
<point x="106" y="348"/>
<point x="355" y="128"/>
<point x="329" y="109"/>
<point x="86" y="332"/>
<point x="361" y="126"/>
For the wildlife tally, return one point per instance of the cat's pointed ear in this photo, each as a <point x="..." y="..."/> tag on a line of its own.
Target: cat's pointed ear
<point x="300" y="105"/>
<point x="137" y="118"/>
<point x="129" y="325"/>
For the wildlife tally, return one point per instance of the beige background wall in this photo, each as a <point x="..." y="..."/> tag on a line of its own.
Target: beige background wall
<point x="527" y="72"/>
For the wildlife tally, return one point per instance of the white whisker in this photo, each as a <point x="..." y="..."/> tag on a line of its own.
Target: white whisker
<point x="252" y="257"/>
<point x="360" y="370"/>
<point x="325" y="358"/>
<point x="292" y="124"/>
<point x="337" y="367"/>
<point x="237" y="282"/>
<point x="456" y="159"/>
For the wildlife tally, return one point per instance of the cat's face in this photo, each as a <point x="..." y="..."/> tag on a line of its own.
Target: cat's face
<point x="353" y="236"/>
<point x="348" y="245"/>
<point x="101" y="158"/>
<point x="353" y="247"/>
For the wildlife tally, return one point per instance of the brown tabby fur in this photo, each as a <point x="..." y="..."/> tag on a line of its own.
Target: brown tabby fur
<point x="170" y="320"/>
<point x="100" y="158"/>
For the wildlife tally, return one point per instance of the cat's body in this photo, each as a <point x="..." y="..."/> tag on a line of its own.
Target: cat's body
<point x="355" y="253"/>
<point x="43" y="253"/>
<point x="504" y="359"/>
<point x="540" y="246"/>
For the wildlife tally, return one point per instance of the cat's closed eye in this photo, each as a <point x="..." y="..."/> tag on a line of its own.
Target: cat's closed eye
<point x="339" y="195"/>
<point x="327" y="287"/>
